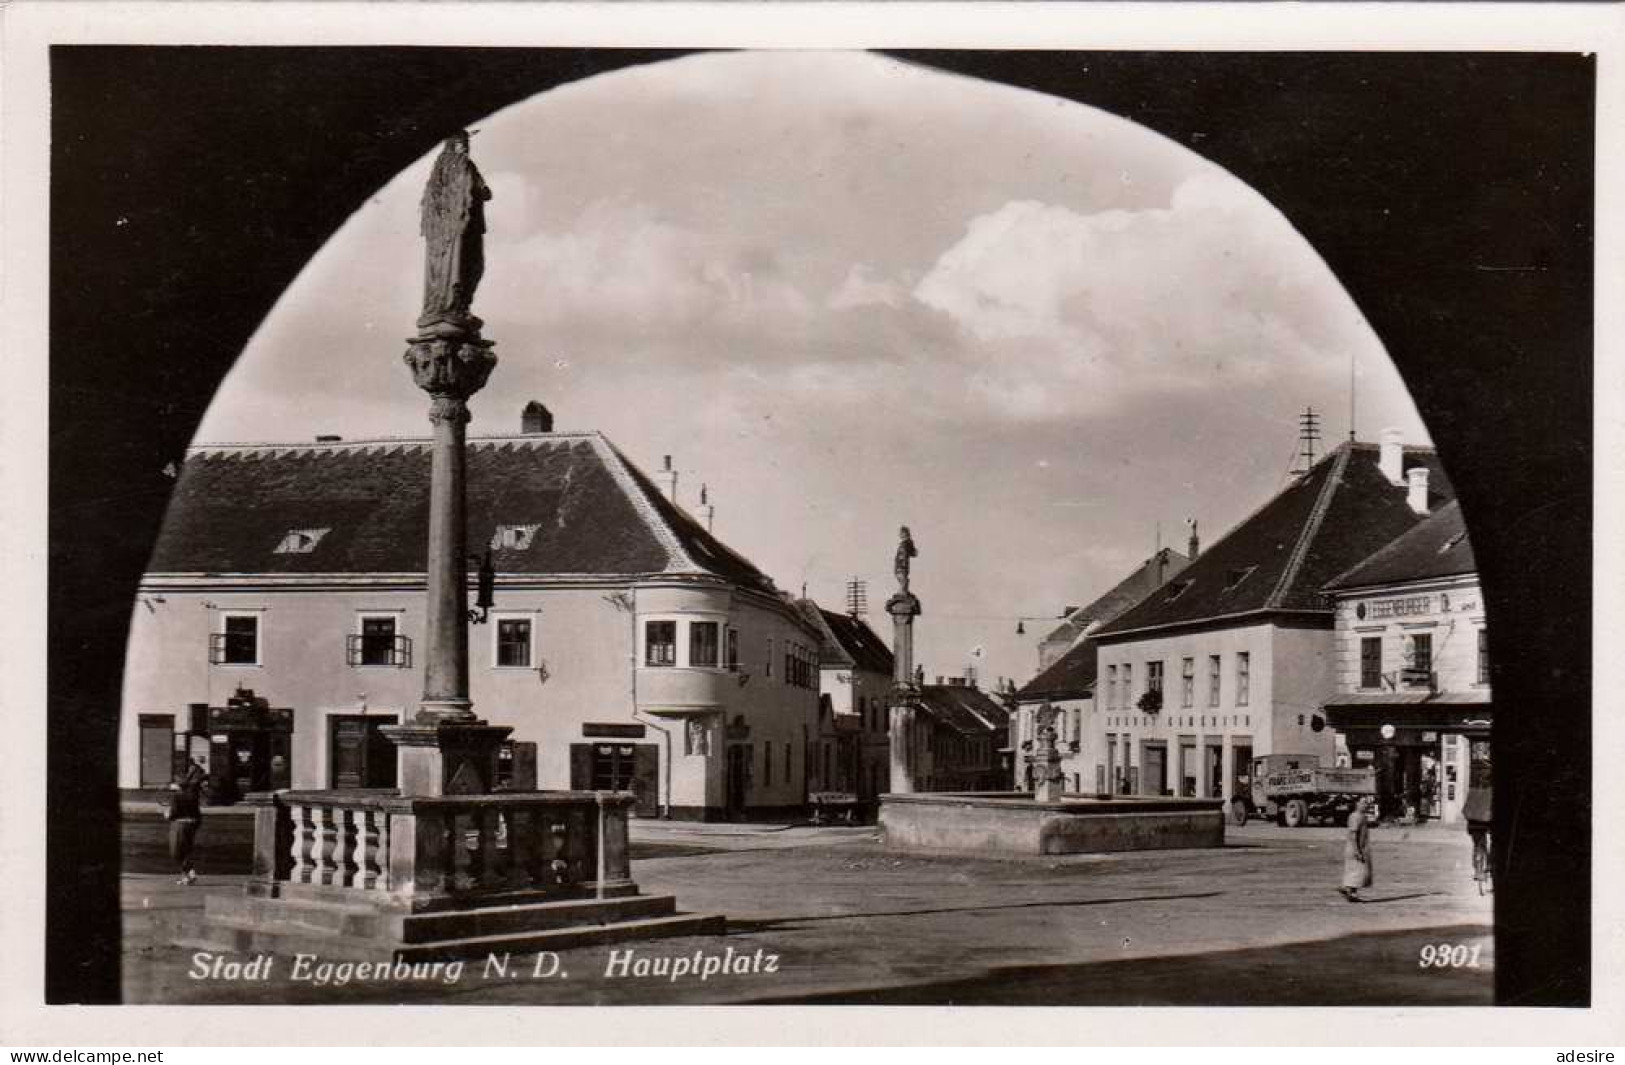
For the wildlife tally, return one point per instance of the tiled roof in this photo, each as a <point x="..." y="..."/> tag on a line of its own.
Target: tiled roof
<point x="1437" y="547"/>
<point x="1340" y="512"/>
<point x="967" y="710"/>
<point x="583" y="507"/>
<point x="848" y="641"/>
<point x="1126" y="593"/>
<point x="1072" y="676"/>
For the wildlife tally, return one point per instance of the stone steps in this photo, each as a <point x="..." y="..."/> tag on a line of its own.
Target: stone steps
<point x="247" y="925"/>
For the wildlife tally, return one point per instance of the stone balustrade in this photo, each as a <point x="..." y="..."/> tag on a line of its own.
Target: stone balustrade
<point x="421" y="853"/>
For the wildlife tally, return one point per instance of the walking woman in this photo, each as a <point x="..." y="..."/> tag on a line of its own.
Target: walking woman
<point x="1357" y="852"/>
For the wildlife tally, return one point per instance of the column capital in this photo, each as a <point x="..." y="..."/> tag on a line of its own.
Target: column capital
<point x="452" y="366"/>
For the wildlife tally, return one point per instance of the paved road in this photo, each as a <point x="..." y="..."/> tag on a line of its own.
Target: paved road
<point x="1257" y="922"/>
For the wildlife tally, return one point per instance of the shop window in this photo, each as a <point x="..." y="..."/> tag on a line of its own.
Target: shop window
<point x="703" y="644"/>
<point x="1371" y="662"/>
<point x="660" y="643"/>
<point x="238" y="641"/>
<point x="1187" y="694"/>
<point x="378" y="644"/>
<point x="1213" y="671"/>
<point x="513" y="642"/>
<point x="1244" y="680"/>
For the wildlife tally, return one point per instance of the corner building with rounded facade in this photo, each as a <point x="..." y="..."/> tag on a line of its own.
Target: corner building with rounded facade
<point x="276" y="629"/>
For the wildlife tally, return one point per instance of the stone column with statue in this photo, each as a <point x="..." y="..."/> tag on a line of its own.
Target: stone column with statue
<point x="445" y="749"/>
<point x="904" y="607"/>
<point x="1045" y="757"/>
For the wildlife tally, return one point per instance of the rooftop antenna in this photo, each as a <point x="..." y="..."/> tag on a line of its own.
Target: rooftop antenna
<point x="857" y="597"/>
<point x="1353" y="377"/>
<point x="671" y="472"/>
<point x="1308" y="436"/>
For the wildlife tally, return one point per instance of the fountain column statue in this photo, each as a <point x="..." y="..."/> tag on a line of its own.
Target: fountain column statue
<point x="445" y="749"/>
<point x="1048" y="779"/>
<point x="904" y="607"/>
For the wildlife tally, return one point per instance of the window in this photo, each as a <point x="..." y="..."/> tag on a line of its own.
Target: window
<point x="513" y="642"/>
<point x="769" y="670"/>
<point x="787" y="744"/>
<point x="767" y="763"/>
<point x="733" y="650"/>
<point x="703" y="647"/>
<point x="513" y="537"/>
<point x="1213" y="671"/>
<point x="660" y="643"/>
<point x="299" y="541"/>
<point x="1371" y="661"/>
<point x="1111" y="686"/>
<point x="1128" y="684"/>
<point x="238" y="641"/>
<point x="1483" y="657"/>
<point x="377" y="641"/>
<point x="1422" y="658"/>
<point x="1244" y="683"/>
<point x="1187" y="695"/>
<point x="1153" y="676"/>
<point x="1234" y="577"/>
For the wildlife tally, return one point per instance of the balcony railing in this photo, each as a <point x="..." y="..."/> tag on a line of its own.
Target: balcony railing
<point x="361" y="649"/>
<point x="422" y="852"/>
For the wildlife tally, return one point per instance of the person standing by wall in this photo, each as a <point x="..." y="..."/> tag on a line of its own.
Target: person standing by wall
<point x="1357" y="867"/>
<point x="185" y="814"/>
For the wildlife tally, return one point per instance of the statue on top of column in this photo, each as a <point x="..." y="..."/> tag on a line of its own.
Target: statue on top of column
<point x="453" y="228"/>
<point x="905" y="551"/>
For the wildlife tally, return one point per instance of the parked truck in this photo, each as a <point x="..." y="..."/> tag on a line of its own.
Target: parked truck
<point x="1295" y="789"/>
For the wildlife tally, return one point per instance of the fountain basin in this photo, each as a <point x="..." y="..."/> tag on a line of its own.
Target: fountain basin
<point x="1014" y="823"/>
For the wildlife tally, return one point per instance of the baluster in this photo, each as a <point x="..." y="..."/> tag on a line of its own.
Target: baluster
<point x="518" y="867"/>
<point x="380" y="854"/>
<point x="363" y="871"/>
<point x="558" y="866"/>
<point x="301" y="871"/>
<point x="326" y="844"/>
<point x="491" y="871"/>
<point x="343" y="846"/>
<point x="462" y="857"/>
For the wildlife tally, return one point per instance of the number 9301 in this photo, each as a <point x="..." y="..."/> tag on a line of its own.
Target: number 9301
<point x="1449" y="956"/>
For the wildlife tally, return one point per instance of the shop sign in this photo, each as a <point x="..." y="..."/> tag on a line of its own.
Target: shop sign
<point x="1410" y="606"/>
<point x="613" y="731"/>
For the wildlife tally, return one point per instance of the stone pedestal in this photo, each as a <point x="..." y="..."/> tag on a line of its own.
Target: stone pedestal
<point x="447" y="759"/>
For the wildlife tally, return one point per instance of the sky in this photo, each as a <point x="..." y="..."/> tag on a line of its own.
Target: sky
<point x="848" y="294"/>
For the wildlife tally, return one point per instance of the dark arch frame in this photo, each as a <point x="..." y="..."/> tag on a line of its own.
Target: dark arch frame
<point x="1451" y="194"/>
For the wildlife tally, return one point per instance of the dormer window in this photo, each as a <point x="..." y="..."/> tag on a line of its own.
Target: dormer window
<point x="300" y="541"/>
<point x="1177" y="589"/>
<point x="513" y="537"/>
<point x="1235" y="576"/>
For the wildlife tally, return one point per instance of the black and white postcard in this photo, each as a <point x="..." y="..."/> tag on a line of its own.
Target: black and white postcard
<point x="809" y="507"/>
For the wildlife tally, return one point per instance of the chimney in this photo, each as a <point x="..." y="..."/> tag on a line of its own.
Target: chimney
<point x="1391" y="457"/>
<point x="1194" y="545"/>
<point x="535" y="419"/>
<point x="1418" y="495"/>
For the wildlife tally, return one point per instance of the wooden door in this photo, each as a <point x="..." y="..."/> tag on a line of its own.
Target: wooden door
<point x="1156" y="770"/>
<point x="359" y="756"/>
<point x="157" y="749"/>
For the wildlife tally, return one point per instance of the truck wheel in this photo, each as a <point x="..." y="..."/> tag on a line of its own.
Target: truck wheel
<point x="1294" y="814"/>
<point x="1238" y="812"/>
